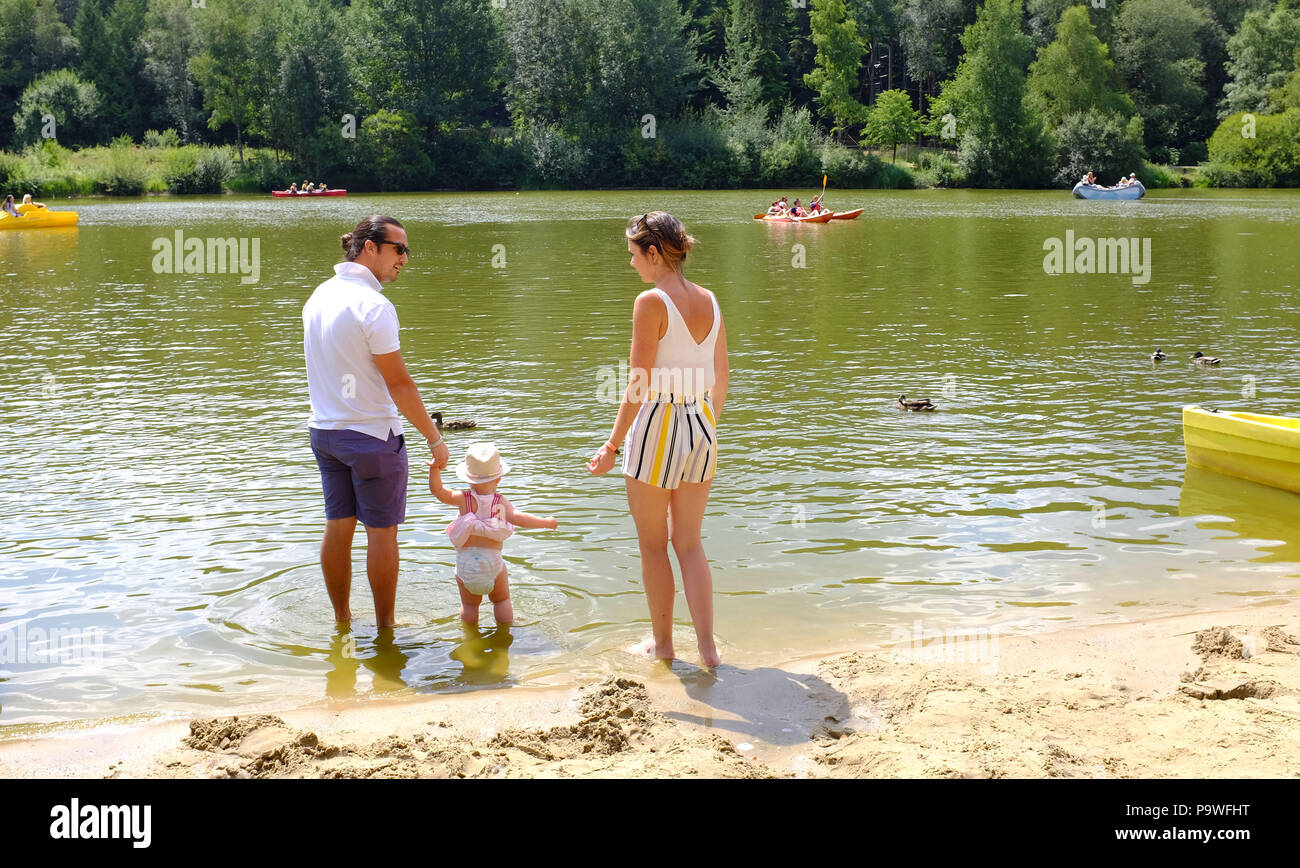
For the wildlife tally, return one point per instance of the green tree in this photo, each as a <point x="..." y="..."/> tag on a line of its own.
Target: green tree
<point x="928" y="34"/>
<point x="839" y="57"/>
<point x="226" y="70"/>
<point x="549" y="43"/>
<point x="1262" y="56"/>
<point x="595" y="67"/>
<point x="439" y="60"/>
<point x="1002" y="140"/>
<point x="891" y="121"/>
<point x="1101" y="142"/>
<point x="110" y="59"/>
<point x="73" y="103"/>
<point x="308" y="90"/>
<point x="736" y="73"/>
<point x="645" y="60"/>
<point x="1075" y="73"/>
<point x="1288" y="95"/>
<point x="1157" y="49"/>
<point x="1044" y="15"/>
<point x="1270" y="157"/>
<point x="170" y="39"/>
<point x="33" y="40"/>
<point x="392" y="149"/>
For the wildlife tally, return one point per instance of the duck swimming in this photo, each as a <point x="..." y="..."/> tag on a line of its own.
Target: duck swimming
<point x="915" y="404"/>
<point x="453" y="424"/>
<point x="1201" y="358"/>
<point x="1158" y="355"/>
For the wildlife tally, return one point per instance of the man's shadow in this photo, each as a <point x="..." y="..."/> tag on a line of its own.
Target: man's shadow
<point x="770" y="705"/>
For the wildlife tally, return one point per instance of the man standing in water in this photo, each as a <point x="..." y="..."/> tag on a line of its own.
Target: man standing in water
<point x="358" y="383"/>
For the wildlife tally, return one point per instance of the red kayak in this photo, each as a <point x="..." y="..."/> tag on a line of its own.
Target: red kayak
<point x="847" y="215"/>
<point x="824" y="217"/>
<point x="285" y="194"/>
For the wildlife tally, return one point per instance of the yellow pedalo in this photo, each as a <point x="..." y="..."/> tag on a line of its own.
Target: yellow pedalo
<point x="37" y="218"/>
<point x="1263" y="449"/>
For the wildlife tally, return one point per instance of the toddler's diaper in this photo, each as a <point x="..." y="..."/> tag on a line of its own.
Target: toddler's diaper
<point x="477" y="568"/>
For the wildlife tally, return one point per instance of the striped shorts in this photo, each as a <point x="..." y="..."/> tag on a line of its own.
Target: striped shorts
<point x="672" y="441"/>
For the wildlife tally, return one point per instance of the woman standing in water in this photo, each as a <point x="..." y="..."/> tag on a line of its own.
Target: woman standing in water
<point x="669" y="413"/>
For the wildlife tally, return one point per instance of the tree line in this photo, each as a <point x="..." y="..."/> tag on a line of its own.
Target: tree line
<point x="417" y="94"/>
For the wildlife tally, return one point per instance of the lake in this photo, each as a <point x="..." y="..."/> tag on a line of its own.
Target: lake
<point x="162" y="510"/>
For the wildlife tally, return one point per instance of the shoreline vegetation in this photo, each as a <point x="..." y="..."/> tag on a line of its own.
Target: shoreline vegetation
<point x="1198" y="695"/>
<point x="125" y="169"/>
<point x="132" y="97"/>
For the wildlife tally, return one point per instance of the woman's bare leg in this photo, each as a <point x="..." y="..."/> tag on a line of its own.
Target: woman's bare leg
<point x="688" y="502"/>
<point x="649" y="506"/>
<point x="502" y="609"/>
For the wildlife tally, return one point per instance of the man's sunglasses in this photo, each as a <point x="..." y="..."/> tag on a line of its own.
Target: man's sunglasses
<point x="402" y="249"/>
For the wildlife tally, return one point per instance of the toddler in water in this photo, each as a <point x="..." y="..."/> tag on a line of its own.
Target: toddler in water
<point x="486" y="519"/>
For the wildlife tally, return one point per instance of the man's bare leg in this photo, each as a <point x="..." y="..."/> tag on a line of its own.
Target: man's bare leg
<point x="381" y="566"/>
<point x="336" y="564"/>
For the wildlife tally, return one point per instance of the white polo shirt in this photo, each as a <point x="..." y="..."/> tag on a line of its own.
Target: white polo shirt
<point x="345" y="322"/>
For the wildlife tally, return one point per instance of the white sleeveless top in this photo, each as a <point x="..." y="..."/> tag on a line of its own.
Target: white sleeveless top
<point x="682" y="367"/>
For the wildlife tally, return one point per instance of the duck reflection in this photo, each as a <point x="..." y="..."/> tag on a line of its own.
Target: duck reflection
<point x="483" y="654"/>
<point x="345" y="659"/>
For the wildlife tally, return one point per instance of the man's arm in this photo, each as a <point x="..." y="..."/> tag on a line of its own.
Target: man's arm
<point x="407" y="398"/>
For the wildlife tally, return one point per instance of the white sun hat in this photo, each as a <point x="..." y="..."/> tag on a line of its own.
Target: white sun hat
<point x="482" y="463"/>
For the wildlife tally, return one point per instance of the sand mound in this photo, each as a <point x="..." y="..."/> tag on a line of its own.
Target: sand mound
<point x="1057" y="708"/>
<point x="1217" y="642"/>
<point x="619" y="734"/>
<point x="228" y="732"/>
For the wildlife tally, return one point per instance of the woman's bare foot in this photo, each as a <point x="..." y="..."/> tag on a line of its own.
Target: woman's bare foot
<point x="504" y="612"/>
<point x="647" y="648"/>
<point x="468" y="613"/>
<point x="709" y="653"/>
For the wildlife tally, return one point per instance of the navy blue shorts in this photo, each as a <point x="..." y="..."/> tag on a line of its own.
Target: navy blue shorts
<point x="362" y="476"/>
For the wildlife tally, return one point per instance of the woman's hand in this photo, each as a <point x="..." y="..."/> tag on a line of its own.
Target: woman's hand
<point x="602" y="461"/>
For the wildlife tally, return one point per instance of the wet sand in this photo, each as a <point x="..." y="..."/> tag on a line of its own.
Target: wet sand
<point x="1210" y="694"/>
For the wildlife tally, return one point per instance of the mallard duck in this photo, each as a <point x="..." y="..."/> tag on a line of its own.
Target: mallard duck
<point x="1201" y="358"/>
<point x="1158" y="355"/>
<point x="453" y="424"/>
<point x="918" y="404"/>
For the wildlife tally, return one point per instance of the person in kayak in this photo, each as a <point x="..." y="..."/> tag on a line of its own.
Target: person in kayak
<point x="796" y="210"/>
<point x="775" y="210"/>
<point x="816" y="207"/>
<point x="27" y="200"/>
<point x="293" y="188"/>
<point x="9" y="207"/>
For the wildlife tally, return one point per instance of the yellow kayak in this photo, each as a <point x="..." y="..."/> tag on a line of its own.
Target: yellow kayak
<point x="1264" y="449"/>
<point x="37" y="218"/>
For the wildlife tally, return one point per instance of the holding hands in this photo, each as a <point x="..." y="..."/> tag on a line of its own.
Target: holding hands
<point x="441" y="455"/>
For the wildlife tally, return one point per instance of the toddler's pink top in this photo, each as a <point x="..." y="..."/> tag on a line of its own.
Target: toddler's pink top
<point x="481" y="516"/>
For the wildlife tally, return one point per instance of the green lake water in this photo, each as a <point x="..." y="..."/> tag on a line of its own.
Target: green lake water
<point x="162" y="512"/>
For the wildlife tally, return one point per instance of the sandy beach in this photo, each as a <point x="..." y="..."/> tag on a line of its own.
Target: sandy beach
<point x="1211" y="694"/>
